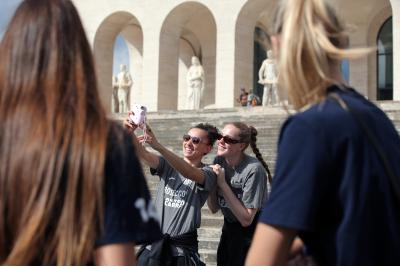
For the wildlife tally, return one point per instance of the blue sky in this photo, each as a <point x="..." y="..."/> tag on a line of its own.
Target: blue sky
<point x="121" y="55"/>
<point x="7" y="9"/>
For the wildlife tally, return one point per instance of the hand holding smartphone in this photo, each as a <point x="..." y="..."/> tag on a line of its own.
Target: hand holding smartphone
<point x="137" y="115"/>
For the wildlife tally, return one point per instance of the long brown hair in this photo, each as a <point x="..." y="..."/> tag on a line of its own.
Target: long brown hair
<point x="52" y="138"/>
<point x="312" y="41"/>
<point x="248" y="135"/>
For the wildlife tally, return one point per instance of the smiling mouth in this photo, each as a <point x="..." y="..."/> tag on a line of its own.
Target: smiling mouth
<point x="189" y="149"/>
<point x="221" y="147"/>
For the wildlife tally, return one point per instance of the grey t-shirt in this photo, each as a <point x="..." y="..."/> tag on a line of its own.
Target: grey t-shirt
<point x="248" y="181"/>
<point x="181" y="198"/>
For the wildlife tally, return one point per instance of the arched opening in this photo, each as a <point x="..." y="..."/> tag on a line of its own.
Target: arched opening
<point x="262" y="43"/>
<point x="385" y="61"/>
<point x="252" y="41"/>
<point x="188" y="30"/>
<point x="125" y="25"/>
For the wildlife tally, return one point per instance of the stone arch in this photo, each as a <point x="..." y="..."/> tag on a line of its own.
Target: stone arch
<point x="257" y="13"/>
<point x="188" y="28"/>
<point x="128" y="26"/>
<point x="375" y="25"/>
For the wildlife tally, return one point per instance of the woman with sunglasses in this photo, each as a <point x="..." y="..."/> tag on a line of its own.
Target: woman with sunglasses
<point x="183" y="189"/>
<point x="337" y="178"/>
<point x="241" y="193"/>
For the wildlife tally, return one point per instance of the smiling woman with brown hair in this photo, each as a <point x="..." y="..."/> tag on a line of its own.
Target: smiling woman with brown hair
<point x="242" y="190"/>
<point x="65" y="192"/>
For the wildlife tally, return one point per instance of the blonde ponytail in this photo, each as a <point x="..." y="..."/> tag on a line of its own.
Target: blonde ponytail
<point x="312" y="40"/>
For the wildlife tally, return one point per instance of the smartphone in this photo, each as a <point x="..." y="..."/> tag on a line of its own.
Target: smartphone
<point x="138" y="115"/>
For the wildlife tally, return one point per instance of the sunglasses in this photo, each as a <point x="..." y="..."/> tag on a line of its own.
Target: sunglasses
<point x="228" y="139"/>
<point x="195" y="140"/>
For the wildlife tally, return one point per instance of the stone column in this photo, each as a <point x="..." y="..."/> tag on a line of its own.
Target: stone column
<point x="396" y="49"/>
<point x="150" y="74"/>
<point x="358" y="72"/>
<point x="225" y="63"/>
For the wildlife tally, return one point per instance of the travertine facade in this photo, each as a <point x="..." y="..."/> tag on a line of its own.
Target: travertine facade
<point x="162" y="37"/>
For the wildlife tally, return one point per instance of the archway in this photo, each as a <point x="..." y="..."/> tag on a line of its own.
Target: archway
<point x="251" y="43"/>
<point x="128" y="26"/>
<point x="385" y="61"/>
<point x="374" y="28"/>
<point x="188" y="30"/>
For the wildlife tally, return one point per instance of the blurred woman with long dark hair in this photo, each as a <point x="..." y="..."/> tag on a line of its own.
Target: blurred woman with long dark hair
<point x="71" y="187"/>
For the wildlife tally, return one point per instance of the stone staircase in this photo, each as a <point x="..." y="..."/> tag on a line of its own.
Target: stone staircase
<point x="169" y="126"/>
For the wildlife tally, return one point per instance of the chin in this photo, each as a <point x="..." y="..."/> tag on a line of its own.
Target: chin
<point x="221" y="152"/>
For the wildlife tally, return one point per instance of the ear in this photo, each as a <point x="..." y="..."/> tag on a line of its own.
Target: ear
<point x="243" y="146"/>
<point x="208" y="149"/>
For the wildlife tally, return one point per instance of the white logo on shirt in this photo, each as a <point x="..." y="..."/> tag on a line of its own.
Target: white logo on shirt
<point x="174" y="198"/>
<point x="187" y="182"/>
<point x="146" y="213"/>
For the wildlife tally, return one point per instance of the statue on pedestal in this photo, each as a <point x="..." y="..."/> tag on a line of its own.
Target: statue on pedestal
<point x="124" y="83"/>
<point x="195" y="84"/>
<point x="268" y="76"/>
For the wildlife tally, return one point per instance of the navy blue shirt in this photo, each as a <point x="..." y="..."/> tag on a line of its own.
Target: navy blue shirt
<point x="331" y="186"/>
<point x="129" y="212"/>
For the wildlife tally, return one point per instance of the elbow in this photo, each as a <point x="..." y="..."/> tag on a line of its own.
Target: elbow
<point x="246" y="222"/>
<point x="213" y="209"/>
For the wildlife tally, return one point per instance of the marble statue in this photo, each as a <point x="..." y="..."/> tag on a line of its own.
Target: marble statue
<point x="114" y="97"/>
<point x="195" y="84"/>
<point x="268" y="77"/>
<point x="124" y="83"/>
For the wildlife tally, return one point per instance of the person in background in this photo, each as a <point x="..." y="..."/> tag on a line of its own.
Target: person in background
<point x="253" y="99"/>
<point x="242" y="97"/>
<point x="337" y="176"/>
<point x="183" y="189"/>
<point x="71" y="187"/>
<point x="242" y="190"/>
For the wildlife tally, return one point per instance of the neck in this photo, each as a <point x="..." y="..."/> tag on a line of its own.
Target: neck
<point x="234" y="160"/>
<point x="336" y="74"/>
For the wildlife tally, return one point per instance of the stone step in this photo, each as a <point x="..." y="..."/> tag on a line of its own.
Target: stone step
<point x="215" y="221"/>
<point x="209" y="232"/>
<point x="208" y="256"/>
<point x="208" y="243"/>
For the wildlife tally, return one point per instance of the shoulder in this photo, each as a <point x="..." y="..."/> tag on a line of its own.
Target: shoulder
<point x="253" y="165"/>
<point x="251" y="161"/>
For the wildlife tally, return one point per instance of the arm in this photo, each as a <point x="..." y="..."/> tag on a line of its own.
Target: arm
<point x="212" y="201"/>
<point x="145" y="156"/>
<point x="270" y="246"/>
<point x="261" y="72"/>
<point x="244" y="215"/>
<point x="176" y="162"/>
<point x="187" y="170"/>
<point x="116" y="255"/>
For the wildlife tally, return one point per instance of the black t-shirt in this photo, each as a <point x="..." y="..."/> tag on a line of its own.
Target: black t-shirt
<point x="130" y="215"/>
<point x="331" y="186"/>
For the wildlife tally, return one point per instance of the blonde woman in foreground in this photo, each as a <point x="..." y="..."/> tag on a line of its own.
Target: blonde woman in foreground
<point x="336" y="182"/>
